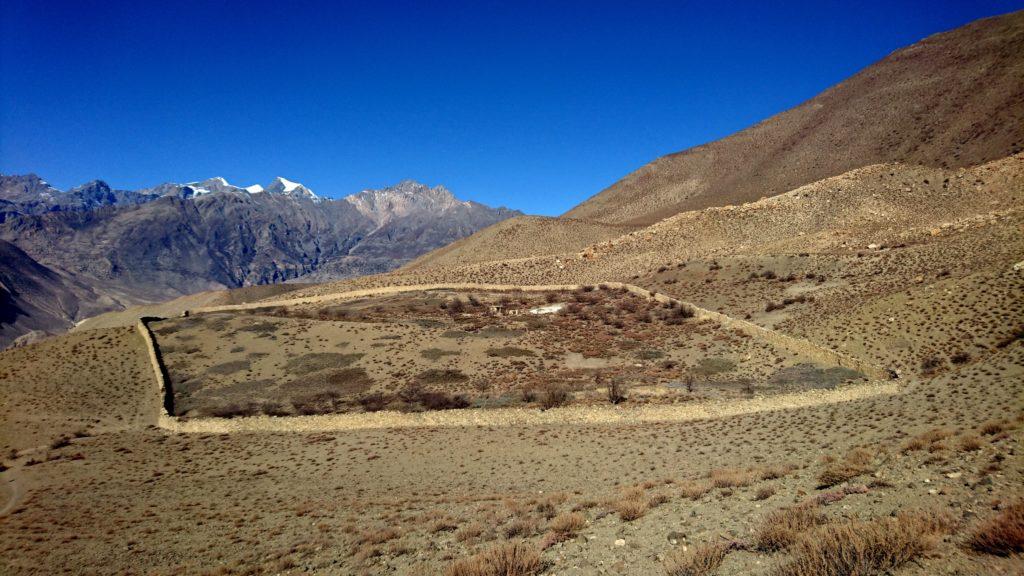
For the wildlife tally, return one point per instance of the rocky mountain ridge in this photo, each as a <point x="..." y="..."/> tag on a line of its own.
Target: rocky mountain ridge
<point x="157" y="243"/>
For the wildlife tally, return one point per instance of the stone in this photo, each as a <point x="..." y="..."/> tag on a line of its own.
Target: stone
<point x="620" y="542"/>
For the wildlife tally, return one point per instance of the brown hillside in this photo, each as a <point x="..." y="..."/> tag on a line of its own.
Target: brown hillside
<point x="520" y="237"/>
<point x="953" y="99"/>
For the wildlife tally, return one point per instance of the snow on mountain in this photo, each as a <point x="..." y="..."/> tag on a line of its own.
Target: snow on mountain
<point x="288" y="188"/>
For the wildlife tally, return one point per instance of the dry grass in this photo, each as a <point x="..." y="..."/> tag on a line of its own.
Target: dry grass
<point x="512" y="559"/>
<point x="732" y="477"/>
<point x="632" y="504"/>
<point x="695" y="490"/>
<point x="781" y="528"/>
<point x="863" y="547"/>
<point x="701" y="560"/>
<point x="856" y="463"/>
<point x="1002" y="534"/>
<point x="568" y="523"/>
<point x="563" y="527"/>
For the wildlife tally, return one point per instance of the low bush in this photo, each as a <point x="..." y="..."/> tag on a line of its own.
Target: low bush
<point x="1001" y="535"/>
<point x="512" y="559"/>
<point x="864" y="547"/>
<point x="554" y="396"/>
<point x="781" y="528"/>
<point x="702" y="560"/>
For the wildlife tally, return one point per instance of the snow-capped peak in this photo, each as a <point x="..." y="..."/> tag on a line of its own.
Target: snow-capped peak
<point x="254" y="189"/>
<point x="288" y="188"/>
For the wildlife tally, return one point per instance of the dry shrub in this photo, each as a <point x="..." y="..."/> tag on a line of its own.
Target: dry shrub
<point x="563" y="527"/>
<point x="856" y="463"/>
<point x="764" y="493"/>
<point x="470" y="532"/>
<point x="632" y="504"/>
<point x="378" y="536"/>
<point x="695" y="490"/>
<point x="1002" y="534"/>
<point x="925" y="440"/>
<point x="700" y="560"/>
<point x="781" y="528"/>
<point x="970" y="443"/>
<point x="554" y="396"/>
<point x="522" y="527"/>
<point x="512" y="559"/>
<point x="992" y="427"/>
<point x="731" y="477"/>
<point x="568" y="523"/>
<point x="864" y="547"/>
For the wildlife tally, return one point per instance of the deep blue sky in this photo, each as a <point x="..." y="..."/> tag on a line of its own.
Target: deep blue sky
<point x="532" y="105"/>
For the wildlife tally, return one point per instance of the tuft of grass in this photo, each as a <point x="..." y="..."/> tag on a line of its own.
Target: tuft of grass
<point x="512" y="559"/>
<point x="864" y="547"/>
<point x="781" y="528"/>
<point x="695" y="490"/>
<point x="632" y="504"/>
<point x="1001" y="535"/>
<point x="856" y="463"/>
<point x="702" y="560"/>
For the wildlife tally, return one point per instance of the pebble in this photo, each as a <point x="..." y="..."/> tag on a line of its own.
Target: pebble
<point x="620" y="542"/>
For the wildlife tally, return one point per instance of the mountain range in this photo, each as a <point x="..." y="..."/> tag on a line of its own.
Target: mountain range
<point x="71" y="254"/>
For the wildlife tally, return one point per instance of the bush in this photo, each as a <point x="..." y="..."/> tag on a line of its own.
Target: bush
<point x="1002" y="534"/>
<point x="781" y="528"/>
<point x="856" y="463"/>
<point x="374" y="402"/>
<point x="864" y="547"/>
<point x="568" y="523"/>
<point x="554" y="396"/>
<point x="702" y="560"/>
<point x="616" y="391"/>
<point x="513" y="559"/>
<point x="632" y="504"/>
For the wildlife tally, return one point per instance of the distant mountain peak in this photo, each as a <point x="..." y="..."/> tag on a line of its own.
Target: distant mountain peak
<point x="287" y="187"/>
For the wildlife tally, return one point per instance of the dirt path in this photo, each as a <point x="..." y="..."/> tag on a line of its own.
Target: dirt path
<point x="528" y="417"/>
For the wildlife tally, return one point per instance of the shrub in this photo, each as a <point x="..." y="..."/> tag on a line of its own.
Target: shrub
<point x="374" y="402"/>
<point x="781" y="528"/>
<point x="616" y="391"/>
<point x="1002" y="534"/>
<point x="695" y="490"/>
<point x="731" y="477"/>
<point x="863" y="547"/>
<point x="930" y="365"/>
<point x="632" y="504"/>
<point x="702" y="560"/>
<point x="554" y="396"/>
<point x="513" y="559"/>
<point x="856" y="463"/>
<point x="764" y="493"/>
<point x="568" y="523"/>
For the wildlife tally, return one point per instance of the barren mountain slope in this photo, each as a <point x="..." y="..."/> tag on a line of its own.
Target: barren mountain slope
<point x="36" y="301"/>
<point x="885" y="205"/>
<point x="953" y="99"/>
<point x="520" y="237"/>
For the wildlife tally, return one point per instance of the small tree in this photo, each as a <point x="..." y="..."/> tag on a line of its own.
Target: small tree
<point x="616" y="390"/>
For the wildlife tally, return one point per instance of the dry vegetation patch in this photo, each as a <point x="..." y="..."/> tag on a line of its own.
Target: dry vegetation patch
<point x="859" y="547"/>
<point x="1002" y="535"/>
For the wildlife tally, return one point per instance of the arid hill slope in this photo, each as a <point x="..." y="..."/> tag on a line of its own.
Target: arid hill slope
<point x="520" y="237"/>
<point x="953" y="99"/>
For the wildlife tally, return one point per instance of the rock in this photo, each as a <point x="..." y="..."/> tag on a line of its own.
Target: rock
<point x="954" y="475"/>
<point x="675" y="537"/>
<point x="620" y="542"/>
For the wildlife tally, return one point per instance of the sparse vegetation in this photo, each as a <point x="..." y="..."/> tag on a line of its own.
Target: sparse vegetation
<point x="864" y="547"/>
<point x="1001" y="535"/>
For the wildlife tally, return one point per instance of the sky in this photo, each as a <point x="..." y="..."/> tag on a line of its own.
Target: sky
<point x="532" y="105"/>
